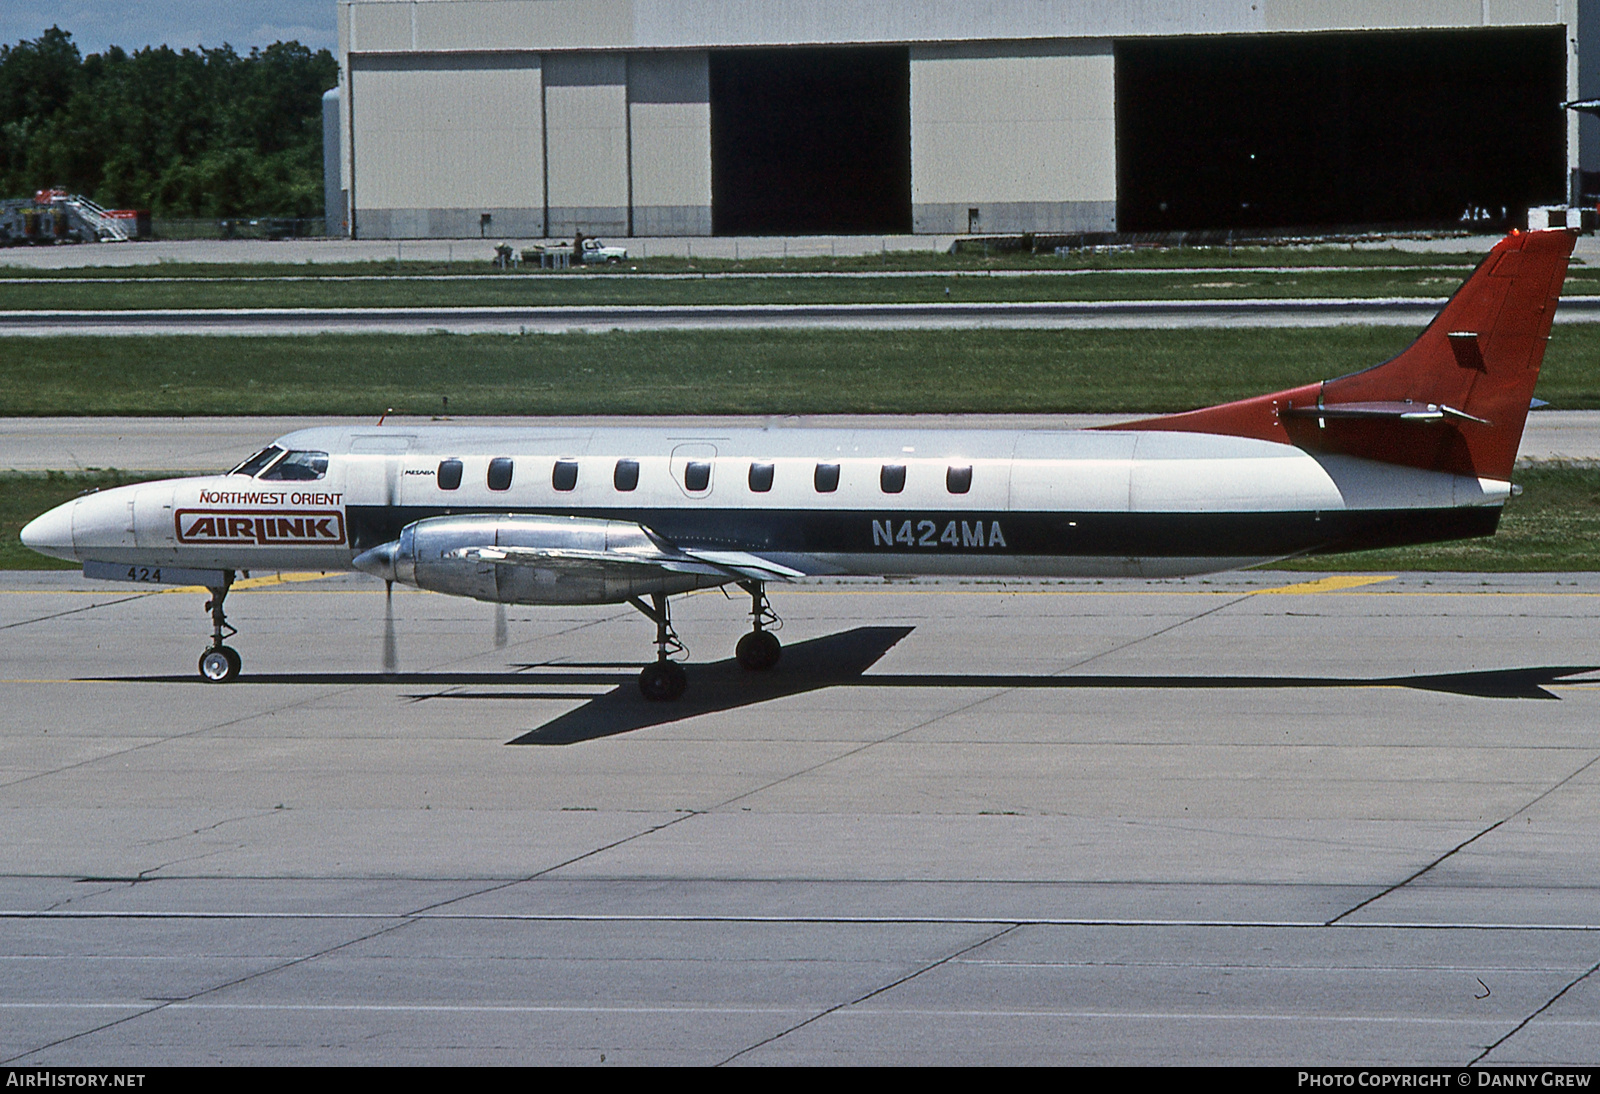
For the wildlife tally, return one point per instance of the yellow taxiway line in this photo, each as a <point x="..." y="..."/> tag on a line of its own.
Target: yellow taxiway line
<point x="1354" y="584"/>
<point x="259" y="582"/>
<point x="1328" y="584"/>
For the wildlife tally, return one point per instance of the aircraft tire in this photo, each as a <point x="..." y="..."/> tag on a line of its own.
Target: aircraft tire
<point x="758" y="651"/>
<point x="220" y="664"/>
<point x="662" y="682"/>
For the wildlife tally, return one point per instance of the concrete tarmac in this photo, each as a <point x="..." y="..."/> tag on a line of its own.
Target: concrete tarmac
<point x="207" y="445"/>
<point x="477" y="252"/>
<point x="1255" y="819"/>
<point x="480" y="251"/>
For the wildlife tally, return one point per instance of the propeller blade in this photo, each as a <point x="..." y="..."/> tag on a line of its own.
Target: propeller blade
<point x="391" y="653"/>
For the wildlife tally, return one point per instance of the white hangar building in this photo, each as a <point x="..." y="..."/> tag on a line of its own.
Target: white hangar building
<point x="526" y="118"/>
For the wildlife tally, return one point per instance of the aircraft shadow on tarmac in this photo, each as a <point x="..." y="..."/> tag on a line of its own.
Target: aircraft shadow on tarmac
<point x="835" y="660"/>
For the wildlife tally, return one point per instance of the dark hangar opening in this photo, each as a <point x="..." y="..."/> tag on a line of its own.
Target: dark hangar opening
<point x="811" y="141"/>
<point x="1402" y="128"/>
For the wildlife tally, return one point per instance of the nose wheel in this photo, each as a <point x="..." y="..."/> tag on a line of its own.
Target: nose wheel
<point x="220" y="663"/>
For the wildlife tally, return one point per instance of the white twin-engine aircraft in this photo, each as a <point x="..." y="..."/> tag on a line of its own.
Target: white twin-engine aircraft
<point x="1414" y="450"/>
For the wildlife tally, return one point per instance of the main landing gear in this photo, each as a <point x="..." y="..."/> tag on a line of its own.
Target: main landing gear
<point x="665" y="680"/>
<point x="757" y="651"/>
<point x="220" y="663"/>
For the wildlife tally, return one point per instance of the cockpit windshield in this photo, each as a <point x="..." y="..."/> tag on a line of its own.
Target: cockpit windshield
<point x="258" y="461"/>
<point x="298" y="467"/>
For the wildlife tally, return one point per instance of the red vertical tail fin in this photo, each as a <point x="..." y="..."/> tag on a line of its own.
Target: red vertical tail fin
<point x="1456" y="400"/>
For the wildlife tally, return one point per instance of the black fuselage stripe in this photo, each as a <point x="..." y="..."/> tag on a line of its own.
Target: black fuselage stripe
<point x="1144" y="535"/>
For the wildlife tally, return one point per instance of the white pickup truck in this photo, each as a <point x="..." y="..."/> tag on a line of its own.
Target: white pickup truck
<point x="559" y="254"/>
<point x="597" y="251"/>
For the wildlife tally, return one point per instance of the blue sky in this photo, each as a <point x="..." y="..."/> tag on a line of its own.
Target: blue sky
<point x="96" y="24"/>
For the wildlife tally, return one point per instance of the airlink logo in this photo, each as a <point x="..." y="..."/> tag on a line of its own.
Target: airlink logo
<point x="298" y="528"/>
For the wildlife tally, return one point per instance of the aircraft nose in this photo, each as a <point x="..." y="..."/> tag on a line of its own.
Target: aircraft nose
<point x="103" y="521"/>
<point x="51" y="533"/>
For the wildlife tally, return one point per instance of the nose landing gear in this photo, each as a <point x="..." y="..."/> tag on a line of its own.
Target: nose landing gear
<point x="220" y="663"/>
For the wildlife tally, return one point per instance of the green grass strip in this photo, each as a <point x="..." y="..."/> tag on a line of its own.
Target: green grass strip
<point x="714" y="372"/>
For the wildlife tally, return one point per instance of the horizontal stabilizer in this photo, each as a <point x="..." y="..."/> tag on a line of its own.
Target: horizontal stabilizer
<point x="1405" y="411"/>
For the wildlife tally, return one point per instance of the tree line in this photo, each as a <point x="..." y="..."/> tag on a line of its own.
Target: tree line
<point x="190" y="133"/>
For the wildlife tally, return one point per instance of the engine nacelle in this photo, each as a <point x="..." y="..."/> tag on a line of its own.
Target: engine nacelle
<point x="536" y="560"/>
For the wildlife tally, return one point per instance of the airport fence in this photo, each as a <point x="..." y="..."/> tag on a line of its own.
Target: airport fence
<point x="258" y="227"/>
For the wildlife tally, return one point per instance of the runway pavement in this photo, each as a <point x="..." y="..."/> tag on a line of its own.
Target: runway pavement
<point x="1053" y="315"/>
<point x="1259" y="819"/>
<point x="204" y="445"/>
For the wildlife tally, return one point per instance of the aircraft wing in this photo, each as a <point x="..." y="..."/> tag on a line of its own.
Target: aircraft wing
<point x="746" y="565"/>
<point x="730" y="565"/>
<point x="576" y="560"/>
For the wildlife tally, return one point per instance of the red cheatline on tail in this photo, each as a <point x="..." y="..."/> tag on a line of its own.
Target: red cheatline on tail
<point x="1457" y="398"/>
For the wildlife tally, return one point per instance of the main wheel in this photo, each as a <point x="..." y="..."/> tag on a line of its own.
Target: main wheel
<point x="220" y="664"/>
<point x="662" y="682"/>
<point x="758" y="651"/>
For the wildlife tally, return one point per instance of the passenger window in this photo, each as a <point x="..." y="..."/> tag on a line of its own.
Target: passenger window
<point x="449" y="474"/>
<point x="626" y="476"/>
<point x="565" y="475"/>
<point x="258" y="461"/>
<point x="892" y="479"/>
<point x="298" y="467"/>
<point x="958" y="480"/>
<point x="500" y="473"/>
<point x="697" y="476"/>
<point x="761" y="477"/>
<point x="827" y="478"/>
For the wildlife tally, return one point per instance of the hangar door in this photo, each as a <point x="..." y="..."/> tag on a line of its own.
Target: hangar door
<point x="1331" y="129"/>
<point x="809" y="141"/>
